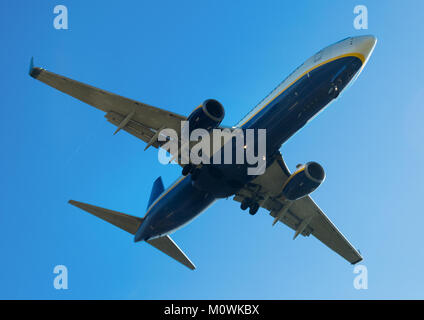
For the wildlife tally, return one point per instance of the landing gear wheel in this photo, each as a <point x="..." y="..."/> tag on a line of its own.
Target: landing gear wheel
<point x="336" y="92"/>
<point x="186" y="170"/>
<point x="335" y="88"/>
<point x="244" y="205"/>
<point x="253" y="209"/>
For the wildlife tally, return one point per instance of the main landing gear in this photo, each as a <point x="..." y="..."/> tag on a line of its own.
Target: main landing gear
<point x="252" y="205"/>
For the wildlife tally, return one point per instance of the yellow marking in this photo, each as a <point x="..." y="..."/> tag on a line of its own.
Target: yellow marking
<point x="170" y="188"/>
<point x="358" y="55"/>
<point x="198" y="107"/>
<point x="292" y="176"/>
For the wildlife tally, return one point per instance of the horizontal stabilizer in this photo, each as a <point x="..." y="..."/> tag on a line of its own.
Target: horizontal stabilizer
<point x="121" y="220"/>
<point x="169" y="247"/>
<point x="131" y="225"/>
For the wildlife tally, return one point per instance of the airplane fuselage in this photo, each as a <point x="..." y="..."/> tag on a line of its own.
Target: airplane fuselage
<point x="298" y="99"/>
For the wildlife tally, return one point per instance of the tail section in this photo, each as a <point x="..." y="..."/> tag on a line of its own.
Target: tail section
<point x="131" y="224"/>
<point x="157" y="190"/>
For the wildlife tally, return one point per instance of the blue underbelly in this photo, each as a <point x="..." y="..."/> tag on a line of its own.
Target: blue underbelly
<point x="282" y="118"/>
<point x="296" y="105"/>
<point x="177" y="208"/>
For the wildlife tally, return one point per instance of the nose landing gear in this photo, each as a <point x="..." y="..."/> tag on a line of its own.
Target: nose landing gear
<point x="334" y="91"/>
<point x="335" y="88"/>
<point x="187" y="169"/>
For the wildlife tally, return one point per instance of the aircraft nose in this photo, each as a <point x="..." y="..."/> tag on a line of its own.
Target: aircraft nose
<point x="365" y="45"/>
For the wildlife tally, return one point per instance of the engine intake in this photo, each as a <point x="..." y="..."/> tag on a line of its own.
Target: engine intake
<point x="206" y="116"/>
<point x="303" y="181"/>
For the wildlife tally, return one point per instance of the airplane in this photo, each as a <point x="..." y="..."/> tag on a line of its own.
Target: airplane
<point x="293" y="103"/>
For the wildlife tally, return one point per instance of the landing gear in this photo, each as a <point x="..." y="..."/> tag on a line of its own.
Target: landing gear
<point x="335" y="89"/>
<point x="254" y="208"/>
<point x="244" y="205"/>
<point x="248" y="203"/>
<point x="336" y="92"/>
<point x="186" y="170"/>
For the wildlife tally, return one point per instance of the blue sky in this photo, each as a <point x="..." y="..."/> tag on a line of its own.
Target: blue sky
<point x="175" y="55"/>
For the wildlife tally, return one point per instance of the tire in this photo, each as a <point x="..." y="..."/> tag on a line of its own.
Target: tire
<point x="244" y="205"/>
<point x="254" y="209"/>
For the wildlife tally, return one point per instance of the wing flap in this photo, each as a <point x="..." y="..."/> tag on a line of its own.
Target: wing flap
<point x="132" y="127"/>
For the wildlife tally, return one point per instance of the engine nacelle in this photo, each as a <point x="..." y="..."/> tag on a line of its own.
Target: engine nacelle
<point x="206" y="116"/>
<point x="303" y="181"/>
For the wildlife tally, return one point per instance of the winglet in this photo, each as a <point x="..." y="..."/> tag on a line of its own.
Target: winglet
<point x="359" y="260"/>
<point x="33" y="71"/>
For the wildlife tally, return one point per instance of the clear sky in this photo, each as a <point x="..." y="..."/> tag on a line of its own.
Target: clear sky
<point x="174" y="55"/>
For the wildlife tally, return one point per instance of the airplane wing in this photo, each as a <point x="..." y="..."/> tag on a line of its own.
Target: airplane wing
<point x="139" y="119"/>
<point x="131" y="224"/>
<point x="302" y="215"/>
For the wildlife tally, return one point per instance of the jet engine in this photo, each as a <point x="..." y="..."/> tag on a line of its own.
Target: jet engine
<point x="206" y="116"/>
<point x="303" y="181"/>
